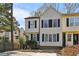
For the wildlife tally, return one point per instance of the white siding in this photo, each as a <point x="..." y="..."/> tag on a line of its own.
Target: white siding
<point x="51" y="14"/>
<point x="31" y="29"/>
<point x="70" y="28"/>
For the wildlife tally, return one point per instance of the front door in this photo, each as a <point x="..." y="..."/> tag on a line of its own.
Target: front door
<point x="69" y="39"/>
<point x="75" y="39"/>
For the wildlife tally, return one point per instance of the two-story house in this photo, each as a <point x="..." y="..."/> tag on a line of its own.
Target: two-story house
<point x="52" y="28"/>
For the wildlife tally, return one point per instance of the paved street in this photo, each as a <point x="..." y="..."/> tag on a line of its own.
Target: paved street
<point x="27" y="53"/>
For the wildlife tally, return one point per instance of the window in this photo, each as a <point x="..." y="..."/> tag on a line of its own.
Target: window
<point x="28" y="24"/>
<point x="73" y="21"/>
<point x="42" y="37"/>
<point x="45" y="23"/>
<point x="35" y="24"/>
<point x="34" y="37"/>
<point x="32" y="24"/>
<point x="67" y="22"/>
<point x="58" y="22"/>
<point x="76" y="21"/>
<point x="50" y="23"/>
<point x="56" y="37"/>
<point x="45" y="37"/>
<point x="37" y="37"/>
<point x="50" y="37"/>
<point x="42" y="24"/>
<point x="55" y="23"/>
<point x="69" y="37"/>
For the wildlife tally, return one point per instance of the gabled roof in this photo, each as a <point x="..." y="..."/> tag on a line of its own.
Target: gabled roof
<point x="45" y="9"/>
<point x="41" y="12"/>
<point x="31" y="17"/>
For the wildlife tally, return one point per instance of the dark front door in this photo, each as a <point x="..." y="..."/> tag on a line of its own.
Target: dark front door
<point x="75" y="39"/>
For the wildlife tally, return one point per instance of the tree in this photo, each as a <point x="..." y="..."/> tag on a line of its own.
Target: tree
<point x="6" y="10"/>
<point x="22" y="41"/>
<point x="71" y="7"/>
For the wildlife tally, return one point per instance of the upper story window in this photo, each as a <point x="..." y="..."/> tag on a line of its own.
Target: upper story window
<point x="45" y="23"/>
<point x="72" y="21"/>
<point x="50" y="23"/>
<point x="56" y="23"/>
<point x="32" y="24"/>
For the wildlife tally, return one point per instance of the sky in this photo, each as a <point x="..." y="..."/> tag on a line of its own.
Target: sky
<point x="23" y="10"/>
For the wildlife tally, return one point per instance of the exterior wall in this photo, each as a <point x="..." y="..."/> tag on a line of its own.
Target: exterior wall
<point x="51" y="14"/>
<point x="8" y="35"/>
<point x="22" y="34"/>
<point x="51" y="43"/>
<point x="31" y="29"/>
<point x="72" y="28"/>
<point x="69" y="43"/>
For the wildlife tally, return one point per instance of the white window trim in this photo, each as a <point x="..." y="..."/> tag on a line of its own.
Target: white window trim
<point x="56" y="37"/>
<point x="49" y="36"/>
<point x="46" y="23"/>
<point x="53" y="22"/>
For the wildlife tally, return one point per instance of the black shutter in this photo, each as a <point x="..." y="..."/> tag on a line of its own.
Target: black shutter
<point x="35" y="24"/>
<point x="37" y="37"/>
<point x="50" y="23"/>
<point x="31" y="36"/>
<point x="28" y="24"/>
<point x="64" y="39"/>
<point x="58" y="22"/>
<point x="67" y="22"/>
<point x="42" y="23"/>
<point x="42" y="37"/>
<point x="57" y="37"/>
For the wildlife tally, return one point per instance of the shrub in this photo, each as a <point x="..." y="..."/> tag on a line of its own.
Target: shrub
<point x="32" y="44"/>
<point x="22" y="41"/>
<point x="70" y="51"/>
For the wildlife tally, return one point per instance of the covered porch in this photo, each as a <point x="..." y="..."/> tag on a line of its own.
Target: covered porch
<point x="70" y="38"/>
<point x="34" y="36"/>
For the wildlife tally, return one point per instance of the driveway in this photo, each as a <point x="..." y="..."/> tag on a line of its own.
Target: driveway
<point x="28" y="53"/>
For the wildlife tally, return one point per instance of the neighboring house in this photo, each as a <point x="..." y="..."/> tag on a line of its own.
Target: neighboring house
<point x="7" y="34"/>
<point x="51" y="28"/>
<point x="22" y="33"/>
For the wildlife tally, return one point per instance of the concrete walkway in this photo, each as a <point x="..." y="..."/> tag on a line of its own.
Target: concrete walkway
<point x="27" y="53"/>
